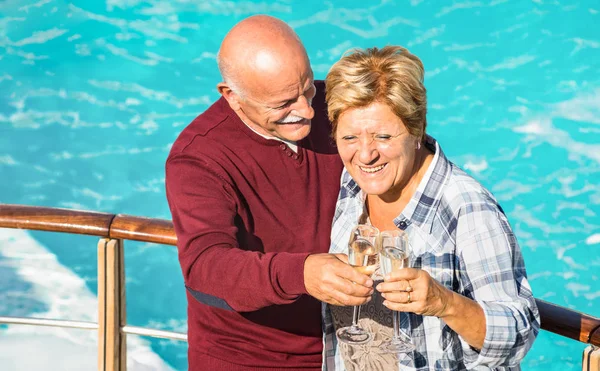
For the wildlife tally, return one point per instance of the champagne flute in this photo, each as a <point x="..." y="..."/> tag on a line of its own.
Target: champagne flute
<point x="394" y="255"/>
<point x="362" y="256"/>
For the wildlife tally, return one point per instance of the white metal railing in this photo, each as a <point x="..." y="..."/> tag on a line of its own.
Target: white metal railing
<point x="85" y="325"/>
<point x="49" y="322"/>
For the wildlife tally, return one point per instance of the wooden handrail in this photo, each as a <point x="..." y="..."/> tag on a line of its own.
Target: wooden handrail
<point x="554" y="318"/>
<point x="55" y="220"/>
<point x="569" y="323"/>
<point x="143" y="229"/>
<point x="87" y="222"/>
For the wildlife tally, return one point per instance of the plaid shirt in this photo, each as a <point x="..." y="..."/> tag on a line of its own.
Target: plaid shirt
<point x="458" y="234"/>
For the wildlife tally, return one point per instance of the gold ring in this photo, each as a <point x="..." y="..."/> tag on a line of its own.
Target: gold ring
<point x="408" y="288"/>
<point x="408" y="302"/>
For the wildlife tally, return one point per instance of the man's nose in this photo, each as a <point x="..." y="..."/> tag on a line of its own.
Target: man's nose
<point x="303" y="108"/>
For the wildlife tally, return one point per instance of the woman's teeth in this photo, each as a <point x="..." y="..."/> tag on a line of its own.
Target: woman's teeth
<point x="372" y="169"/>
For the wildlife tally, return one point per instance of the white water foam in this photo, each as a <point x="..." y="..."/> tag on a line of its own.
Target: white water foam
<point x="542" y="129"/>
<point x="593" y="239"/>
<point x="40" y="37"/>
<point x="476" y="166"/>
<point x="66" y="297"/>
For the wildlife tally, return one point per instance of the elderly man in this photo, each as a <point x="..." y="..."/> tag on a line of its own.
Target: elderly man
<point x="252" y="184"/>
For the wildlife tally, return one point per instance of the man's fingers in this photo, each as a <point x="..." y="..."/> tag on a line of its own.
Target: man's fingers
<point x="353" y="289"/>
<point x="328" y="278"/>
<point x="342" y="257"/>
<point x="351" y="274"/>
<point x="347" y="272"/>
<point x="349" y="288"/>
<point x="342" y="299"/>
<point x="345" y="292"/>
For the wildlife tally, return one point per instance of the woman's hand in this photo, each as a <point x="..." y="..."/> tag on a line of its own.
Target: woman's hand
<point x="414" y="290"/>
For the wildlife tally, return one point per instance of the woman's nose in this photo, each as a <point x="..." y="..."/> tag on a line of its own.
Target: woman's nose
<point x="367" y="151"/>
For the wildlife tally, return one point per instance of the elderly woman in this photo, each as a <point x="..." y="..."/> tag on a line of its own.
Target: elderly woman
<point x="466" y="302"/>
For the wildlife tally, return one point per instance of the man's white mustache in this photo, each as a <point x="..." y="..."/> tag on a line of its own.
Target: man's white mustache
<point x="290" y="119"/>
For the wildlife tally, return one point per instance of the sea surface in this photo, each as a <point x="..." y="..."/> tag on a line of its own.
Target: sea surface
<point x="93" y="94"/>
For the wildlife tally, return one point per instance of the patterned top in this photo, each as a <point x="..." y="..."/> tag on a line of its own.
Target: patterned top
<point x="459" y="234"/>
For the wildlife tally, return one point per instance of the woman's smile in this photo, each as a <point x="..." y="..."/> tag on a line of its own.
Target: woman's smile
<point x="372" y="169"/>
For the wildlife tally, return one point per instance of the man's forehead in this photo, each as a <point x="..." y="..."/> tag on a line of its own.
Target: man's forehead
<point x="283" y="86"/>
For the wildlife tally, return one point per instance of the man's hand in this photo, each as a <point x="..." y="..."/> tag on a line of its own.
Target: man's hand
<point x="330" y="279"/>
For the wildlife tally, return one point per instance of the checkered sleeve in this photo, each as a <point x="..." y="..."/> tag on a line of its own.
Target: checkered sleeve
<point x="492" y="273"/>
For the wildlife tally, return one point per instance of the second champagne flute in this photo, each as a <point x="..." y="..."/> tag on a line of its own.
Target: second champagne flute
<point x="362" y="256"/>
<point x="394" y="255"/>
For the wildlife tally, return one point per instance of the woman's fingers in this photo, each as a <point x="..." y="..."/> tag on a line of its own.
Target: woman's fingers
<point x="403" y="286"/>
<point x="400" y="297"/>
<point x="420" y="295"/>
<point x="405" y="280"/>
<point x="406" y="274"/>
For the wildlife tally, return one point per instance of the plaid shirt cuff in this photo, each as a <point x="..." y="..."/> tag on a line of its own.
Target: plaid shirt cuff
<point x="506" y="340"/>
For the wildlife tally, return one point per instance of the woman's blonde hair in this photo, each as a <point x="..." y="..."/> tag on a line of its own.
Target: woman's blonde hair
<point x="391" y="75"/>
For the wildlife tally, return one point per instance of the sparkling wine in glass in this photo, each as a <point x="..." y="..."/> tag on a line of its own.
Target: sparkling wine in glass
<point x="362" y="255"/>
<point x="393" y="256"/>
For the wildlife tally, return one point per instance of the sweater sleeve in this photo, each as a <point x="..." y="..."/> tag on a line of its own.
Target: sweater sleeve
<point x="204" y="209"/>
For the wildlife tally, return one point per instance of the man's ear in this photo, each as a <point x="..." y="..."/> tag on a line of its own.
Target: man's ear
<point x="232" y="98"/>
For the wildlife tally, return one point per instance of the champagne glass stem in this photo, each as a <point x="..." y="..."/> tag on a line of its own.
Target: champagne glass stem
<point x="396" y="319"/>
<point x="355" y="316"/>
<point x="399" y="335"/>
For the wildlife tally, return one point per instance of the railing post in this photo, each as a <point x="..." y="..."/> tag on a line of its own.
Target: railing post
<point x="112" y="346"/>
<point x="591" y="359"/>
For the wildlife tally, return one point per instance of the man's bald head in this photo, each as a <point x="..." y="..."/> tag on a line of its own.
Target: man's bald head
<point x="267" y="77"/>
<point x="257" y="47"/>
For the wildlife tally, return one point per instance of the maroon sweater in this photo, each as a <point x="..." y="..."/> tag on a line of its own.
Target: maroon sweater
<point x="247" y="212"/>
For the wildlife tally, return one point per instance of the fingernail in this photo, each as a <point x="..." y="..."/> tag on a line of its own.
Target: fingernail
<point x="385" y="303"/>
<point x="383" y="295"/>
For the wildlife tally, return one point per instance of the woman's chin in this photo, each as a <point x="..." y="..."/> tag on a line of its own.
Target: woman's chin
<point x="373" y="189"/>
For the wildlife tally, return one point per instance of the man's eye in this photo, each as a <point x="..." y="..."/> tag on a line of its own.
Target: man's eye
<point x="383" y="137"/>
<point x="286" y="104"/>
<point x="349" y="137"/>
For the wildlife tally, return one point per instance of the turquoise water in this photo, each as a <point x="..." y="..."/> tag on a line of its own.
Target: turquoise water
<point x="92" y="94"/>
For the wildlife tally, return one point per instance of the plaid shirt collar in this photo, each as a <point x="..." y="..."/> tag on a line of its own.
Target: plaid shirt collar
<point x="421" y="208"/>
